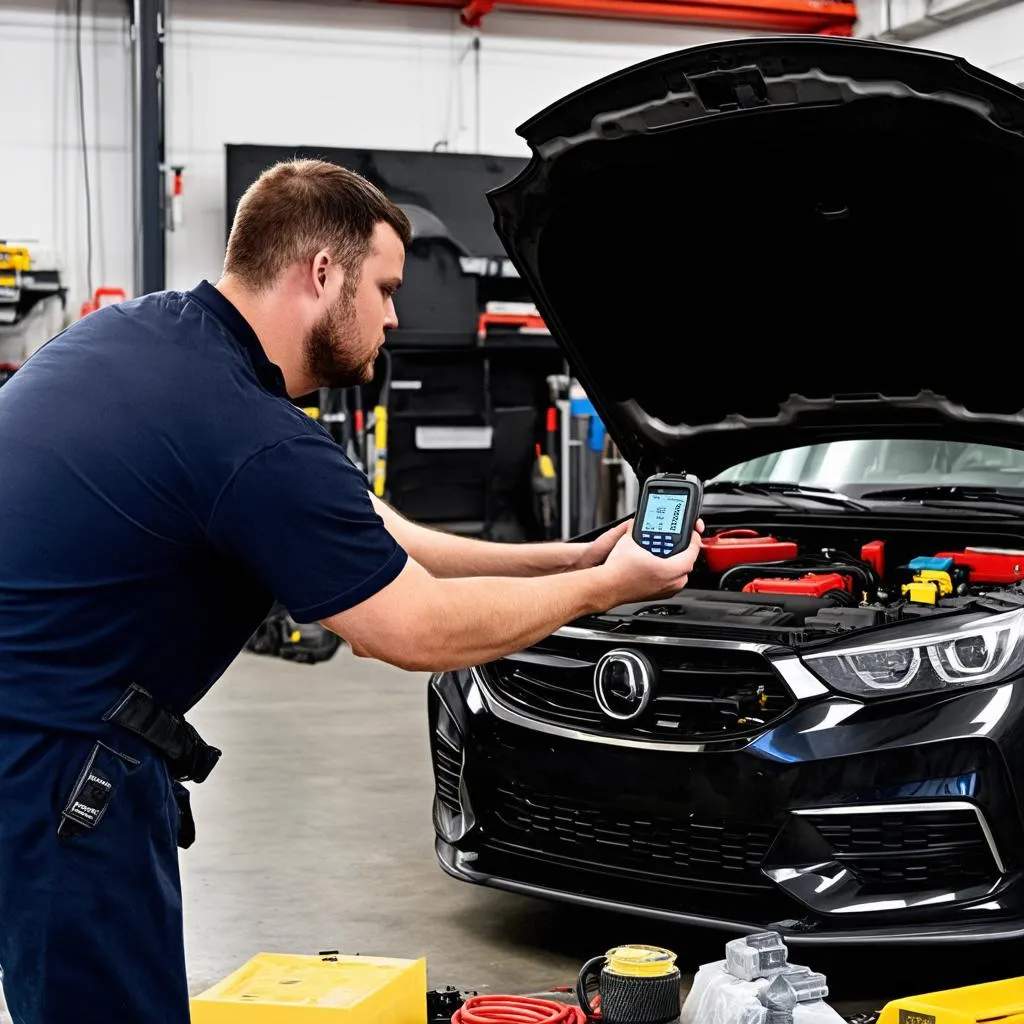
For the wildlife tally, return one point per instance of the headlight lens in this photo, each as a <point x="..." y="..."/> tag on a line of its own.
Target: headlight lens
<point x="982" y="651"/>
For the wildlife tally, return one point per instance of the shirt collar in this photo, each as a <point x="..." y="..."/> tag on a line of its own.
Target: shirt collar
<point x="268" y="373"/>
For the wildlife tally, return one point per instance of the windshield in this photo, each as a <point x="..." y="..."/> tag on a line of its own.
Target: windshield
<point x="865" y="464"/>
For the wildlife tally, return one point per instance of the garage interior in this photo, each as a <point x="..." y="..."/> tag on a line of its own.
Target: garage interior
<point x="132" y="130"/>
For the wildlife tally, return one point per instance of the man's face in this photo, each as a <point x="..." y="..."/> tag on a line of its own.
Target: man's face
<point x="342" y="345"/>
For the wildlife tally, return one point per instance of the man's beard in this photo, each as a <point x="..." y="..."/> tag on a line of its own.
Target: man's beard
<point x="332" y="356"/>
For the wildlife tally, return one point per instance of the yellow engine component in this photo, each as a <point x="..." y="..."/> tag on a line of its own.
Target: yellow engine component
<point x="1001" y="1001"/>
<point x="547" y="466"/>
<point x="275" y="988"/>
<point x="920" y="592"/>
<point x="928" y="586"/>
<point x="312" y="412"/>
<point x="941" y="579"/>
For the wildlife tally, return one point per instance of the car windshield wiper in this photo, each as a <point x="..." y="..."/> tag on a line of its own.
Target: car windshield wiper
<point x="948" y="493"/>
<point x="786" y="490"/>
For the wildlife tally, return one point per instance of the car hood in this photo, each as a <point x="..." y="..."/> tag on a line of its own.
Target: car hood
<point x="764" y="243"/>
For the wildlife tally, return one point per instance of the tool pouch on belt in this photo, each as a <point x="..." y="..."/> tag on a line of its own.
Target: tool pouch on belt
<point x="186" y="823"/>
<point x="188" y="757"/>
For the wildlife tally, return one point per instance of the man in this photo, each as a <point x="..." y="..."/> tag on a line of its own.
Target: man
<point x="157" y="490"/>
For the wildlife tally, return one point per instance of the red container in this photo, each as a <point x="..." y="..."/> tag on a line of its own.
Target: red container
<point x="735" y="547"/>
<point x="989" y="565"/>
<point x="812" y="585"/>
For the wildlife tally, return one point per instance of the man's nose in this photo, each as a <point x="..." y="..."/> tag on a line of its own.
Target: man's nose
<point x="390" y="316"/>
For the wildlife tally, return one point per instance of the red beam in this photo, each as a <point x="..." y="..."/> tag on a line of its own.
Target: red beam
<point x="827" y="17"/>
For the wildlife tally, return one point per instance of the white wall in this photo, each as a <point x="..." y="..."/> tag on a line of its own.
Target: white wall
<point x="272" y="72"/>
<point x="988" y="33"/>
<point x="992" y="41"/>
<point x="41" y="174"/>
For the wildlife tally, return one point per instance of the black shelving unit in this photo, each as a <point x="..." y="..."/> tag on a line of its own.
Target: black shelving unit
<point x="492" y="403"/>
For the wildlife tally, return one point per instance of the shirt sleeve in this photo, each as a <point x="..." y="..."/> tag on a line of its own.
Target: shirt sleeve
<point x="299" y="515"/>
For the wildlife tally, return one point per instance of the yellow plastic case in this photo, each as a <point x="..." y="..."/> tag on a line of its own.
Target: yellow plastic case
<point x="279" y="988"/>
<point x="1001" y="1001"/>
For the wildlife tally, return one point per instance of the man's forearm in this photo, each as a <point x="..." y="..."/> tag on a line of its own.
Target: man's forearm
<point x="511" y="614"/>
<point x="447" y="556"/>
<point x="462" y="622"/>
<point x="424" y="623"/>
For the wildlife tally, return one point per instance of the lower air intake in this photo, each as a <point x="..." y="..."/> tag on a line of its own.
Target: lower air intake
<point x="902" y="850"/>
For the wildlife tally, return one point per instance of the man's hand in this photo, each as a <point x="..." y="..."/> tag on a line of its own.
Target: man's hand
<point x="636" y="575"/>
<point x="597" y="551"/>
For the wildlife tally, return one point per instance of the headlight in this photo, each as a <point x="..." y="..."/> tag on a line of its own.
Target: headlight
<point x="982" y="651"/>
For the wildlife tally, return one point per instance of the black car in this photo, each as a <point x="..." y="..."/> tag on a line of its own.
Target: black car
<point x="788" y="267"/>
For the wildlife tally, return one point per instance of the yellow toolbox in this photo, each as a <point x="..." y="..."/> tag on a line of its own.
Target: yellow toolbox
<point x="279" y="988"/>
<point x="995" y="1001"/>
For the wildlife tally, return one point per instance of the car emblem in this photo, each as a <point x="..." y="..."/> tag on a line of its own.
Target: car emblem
<point x="623" y="682"/>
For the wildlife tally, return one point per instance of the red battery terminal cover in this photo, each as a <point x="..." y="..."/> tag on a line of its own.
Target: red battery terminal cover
<point x="736" y="547"/>
<point x="874" y="554"/>
<point x="811" y="585"/>
<point x="989" y="565"/>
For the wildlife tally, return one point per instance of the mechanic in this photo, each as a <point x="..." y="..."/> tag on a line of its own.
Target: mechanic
<point x="159" y="490"/>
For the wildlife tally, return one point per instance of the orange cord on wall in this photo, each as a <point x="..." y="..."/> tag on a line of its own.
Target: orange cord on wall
<point x="517" y="1010"/>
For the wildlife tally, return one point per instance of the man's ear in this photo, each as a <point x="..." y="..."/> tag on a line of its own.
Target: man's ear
<point x="321" y="265"/>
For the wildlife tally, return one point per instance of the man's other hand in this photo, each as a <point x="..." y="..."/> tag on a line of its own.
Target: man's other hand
<point x="636" y="575"/>
<point x="596" y="552"/>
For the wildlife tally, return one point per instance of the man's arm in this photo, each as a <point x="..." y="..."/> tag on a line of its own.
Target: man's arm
<point x="423" y="623"/>
<point x="446" y="555"/>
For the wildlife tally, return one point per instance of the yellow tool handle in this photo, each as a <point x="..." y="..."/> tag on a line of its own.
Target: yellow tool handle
<point x="380" y="439"/>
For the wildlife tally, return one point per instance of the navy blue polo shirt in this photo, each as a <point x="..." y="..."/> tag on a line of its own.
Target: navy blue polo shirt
<point x="157" y="491"/>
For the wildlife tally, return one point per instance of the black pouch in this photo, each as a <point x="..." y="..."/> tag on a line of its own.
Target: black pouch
<point x="186" y="823"/>
<point x="93" y="790"/>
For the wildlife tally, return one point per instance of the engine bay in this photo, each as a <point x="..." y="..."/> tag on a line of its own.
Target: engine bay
<point x="793" y="587"/>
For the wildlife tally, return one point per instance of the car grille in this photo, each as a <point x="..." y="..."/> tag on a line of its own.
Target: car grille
<point x="447" y="772"/>
<point x="903" y="851"/>
<point x="679" y="850"/>
<point x="700" y="693"/>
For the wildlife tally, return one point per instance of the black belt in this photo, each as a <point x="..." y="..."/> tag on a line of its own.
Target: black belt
<point x="188" y="757"/>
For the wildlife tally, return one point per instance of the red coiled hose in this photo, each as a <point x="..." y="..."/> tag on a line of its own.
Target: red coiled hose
<point x="517" y="1010"/>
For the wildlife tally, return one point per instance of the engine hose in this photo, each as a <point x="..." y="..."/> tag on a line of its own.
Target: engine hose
<point x="517" y="1010"/>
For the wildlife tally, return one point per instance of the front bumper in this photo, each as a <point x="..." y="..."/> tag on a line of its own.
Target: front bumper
<point x="841" y="823"/>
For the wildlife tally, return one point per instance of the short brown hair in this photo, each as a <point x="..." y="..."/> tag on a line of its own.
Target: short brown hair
<point x="298" y="207"/>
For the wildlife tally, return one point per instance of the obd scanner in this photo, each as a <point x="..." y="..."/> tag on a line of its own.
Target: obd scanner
<point x="667" y="513"/>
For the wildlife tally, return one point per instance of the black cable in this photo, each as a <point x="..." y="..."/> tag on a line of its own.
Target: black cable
<point x="385" y="385"/>
<point x="359" y="426"/>
<point x="85" y="150"/>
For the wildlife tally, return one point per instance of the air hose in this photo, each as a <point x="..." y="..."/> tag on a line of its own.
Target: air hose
<point x="517" y="1010"/>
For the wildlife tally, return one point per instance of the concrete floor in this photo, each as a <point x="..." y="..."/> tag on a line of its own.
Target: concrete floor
<point x="314" y="833"/>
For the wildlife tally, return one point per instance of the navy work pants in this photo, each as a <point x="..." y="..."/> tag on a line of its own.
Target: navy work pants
<point x="90" y="920"/>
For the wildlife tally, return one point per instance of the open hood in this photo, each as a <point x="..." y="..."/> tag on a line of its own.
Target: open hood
<point x="766" y="243"/>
